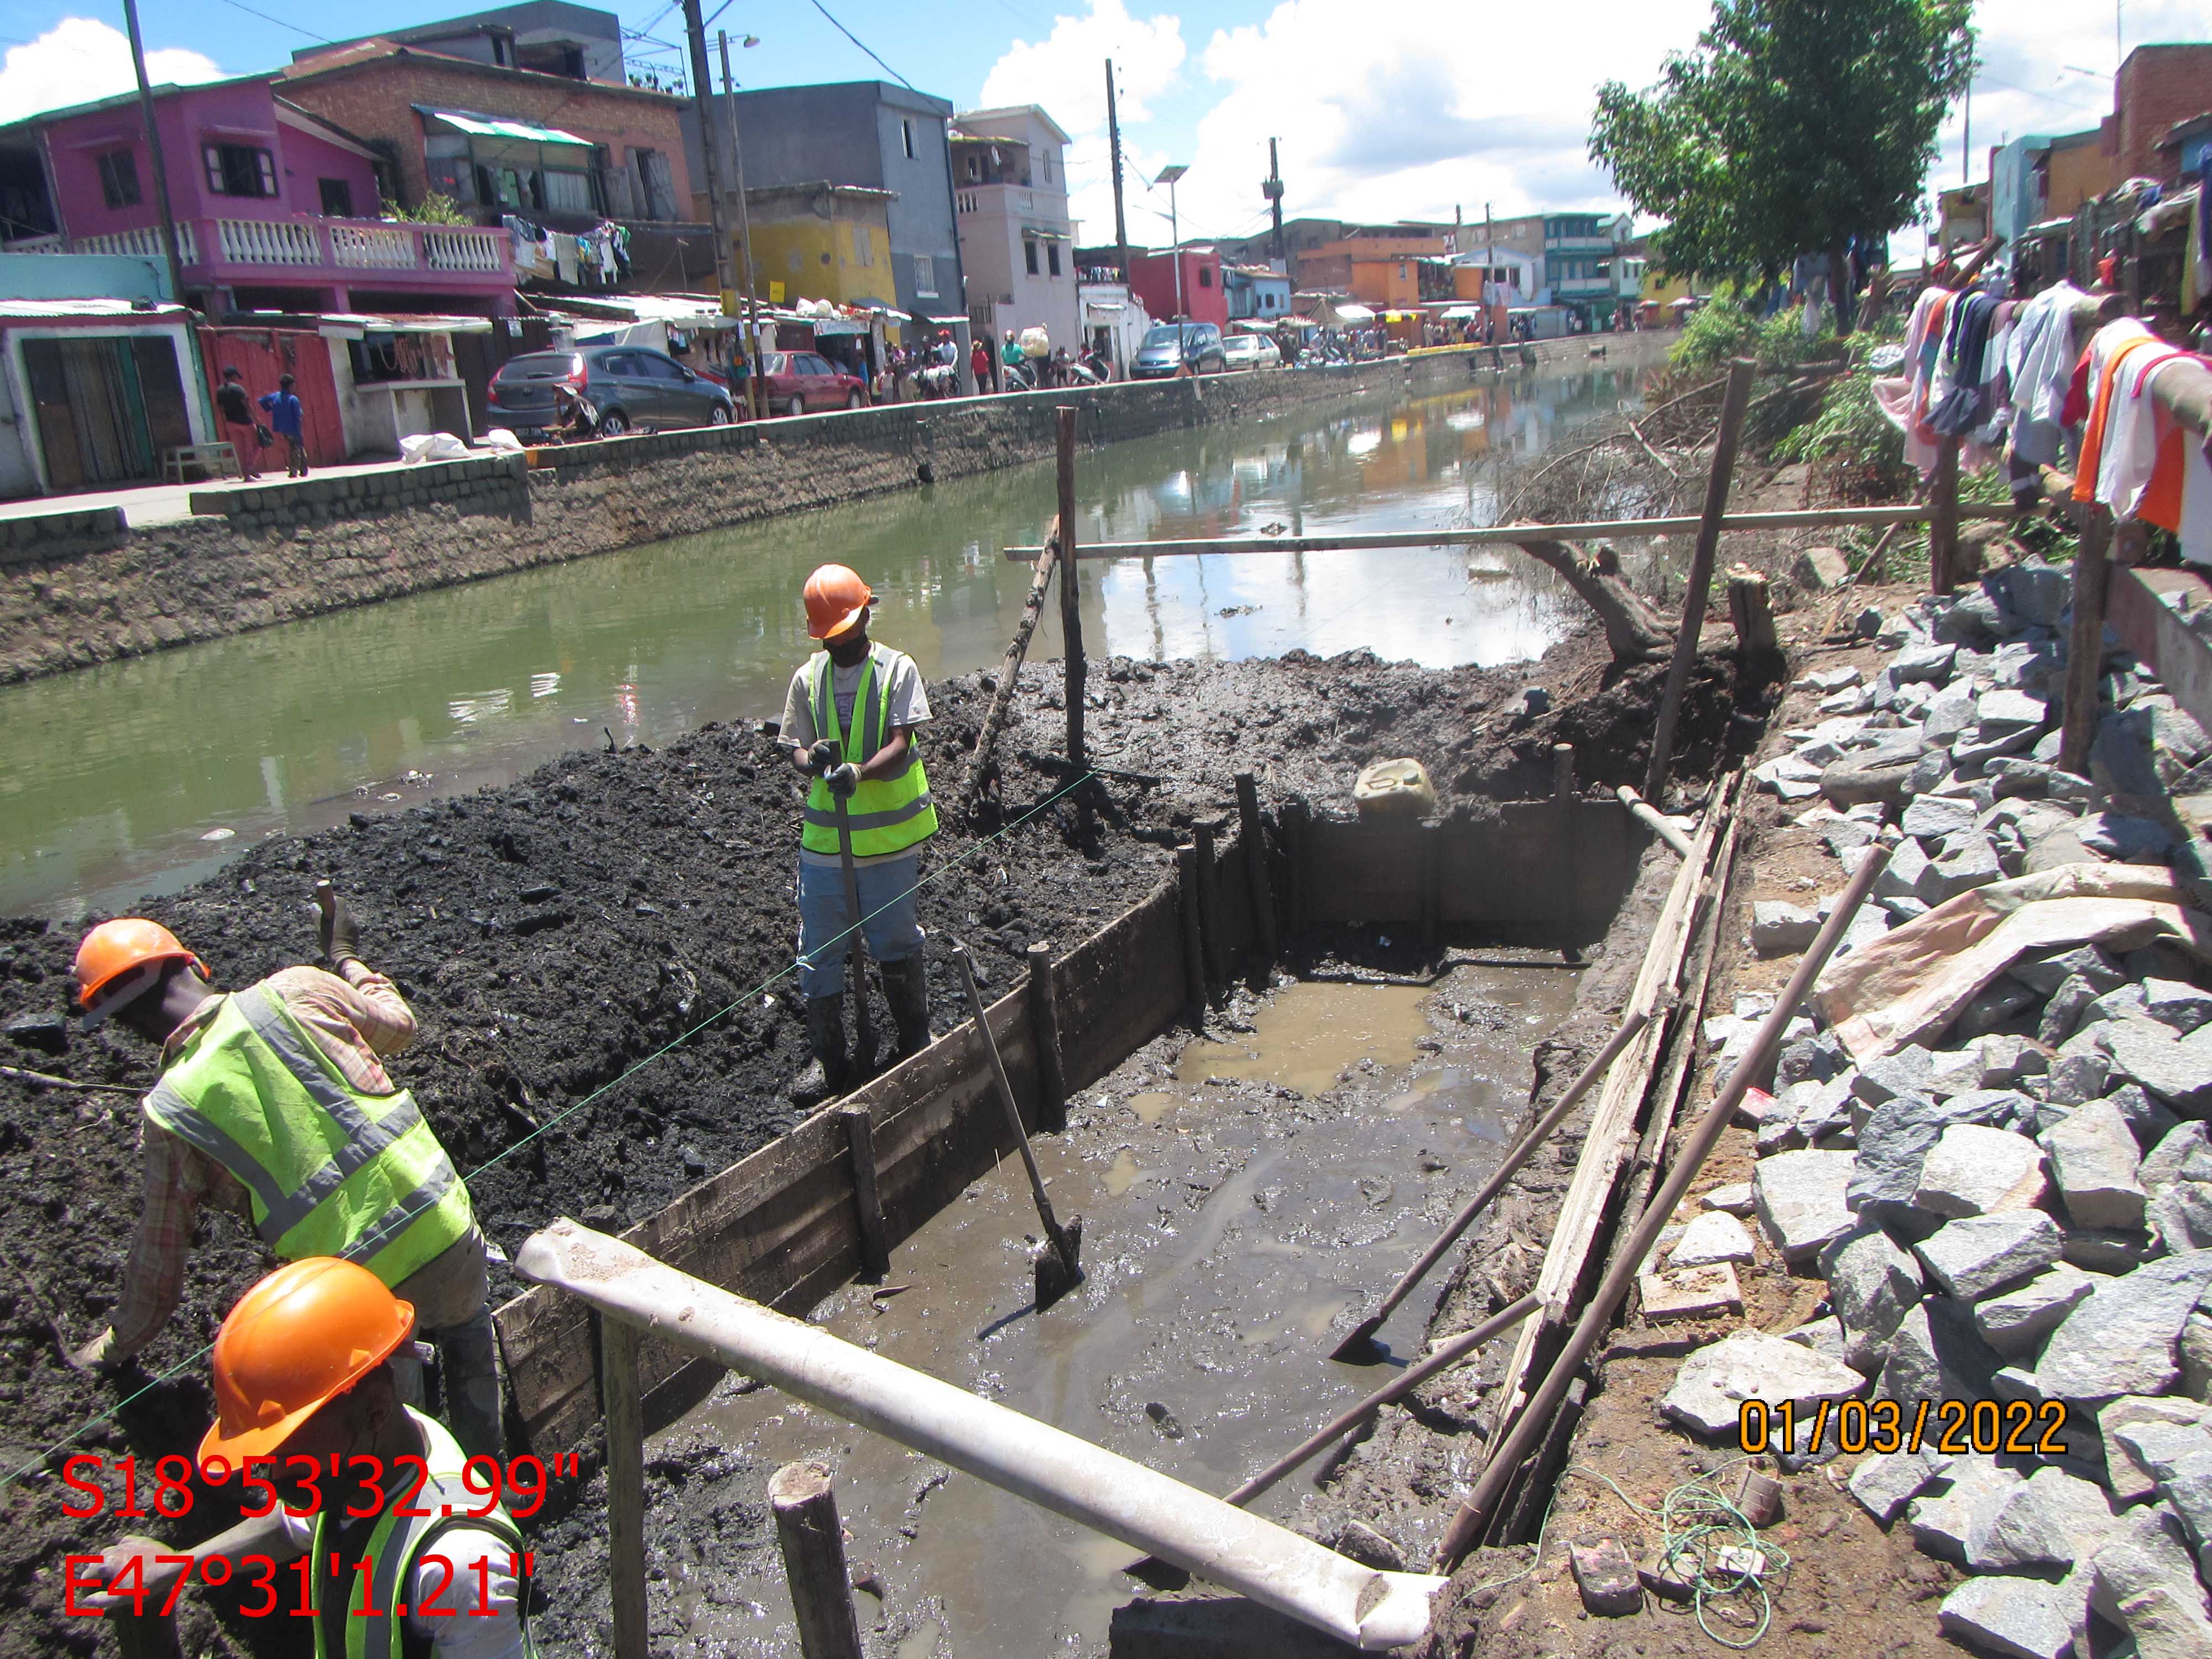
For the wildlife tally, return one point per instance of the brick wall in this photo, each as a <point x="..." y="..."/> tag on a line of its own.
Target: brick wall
<point x="375" y="98"/>
<point x="2155" y="88"/>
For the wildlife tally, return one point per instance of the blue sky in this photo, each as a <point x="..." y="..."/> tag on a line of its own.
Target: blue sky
<point x="1381" y="112"/>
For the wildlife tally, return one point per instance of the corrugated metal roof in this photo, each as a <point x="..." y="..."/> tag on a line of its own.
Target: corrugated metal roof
<point x="498" y="126"/>
<point x="22" y="310"/>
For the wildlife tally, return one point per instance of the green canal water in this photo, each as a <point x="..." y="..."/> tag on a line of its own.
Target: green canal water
<point x="146" y="774"/>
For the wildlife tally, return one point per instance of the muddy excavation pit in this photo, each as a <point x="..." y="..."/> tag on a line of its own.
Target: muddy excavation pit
<point x="557" y="933"/>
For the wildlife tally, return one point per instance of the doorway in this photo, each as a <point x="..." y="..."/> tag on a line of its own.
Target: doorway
<point x="107" y="407"/>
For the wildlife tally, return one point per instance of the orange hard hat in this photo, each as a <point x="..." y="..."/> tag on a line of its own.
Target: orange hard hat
<point x="295" y="1342"/>
<point x="120" y="961"/>
<point x="836" y="598"/>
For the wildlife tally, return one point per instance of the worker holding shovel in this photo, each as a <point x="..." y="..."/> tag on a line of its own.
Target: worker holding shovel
<point x="849" y="722"/>
<point x="274" y="1104"/>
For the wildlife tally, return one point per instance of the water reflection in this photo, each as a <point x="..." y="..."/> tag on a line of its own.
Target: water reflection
<point x="111" y="777"/>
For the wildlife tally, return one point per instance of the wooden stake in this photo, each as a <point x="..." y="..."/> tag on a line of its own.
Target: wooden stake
<point x="1070" y="589"/>
<point x="1943" y="517"/>
<point x="1209" y="908"/>
<point x="1044" y="1027"/>
<point x="1194" y="944"/>
<point x="1296" y="820"/>
<point x="2085" y="647"/>
<point x="813" y="1541"/>
<point x="1010" y="671"/>
<point x="1699" y="593"/>
<point x="1252" y="833"/>
<point x="1751" y="609"/>
<point x="1563" y="773"/>
<point x="625" y="1411"/>
<point x="867" y="1203"/>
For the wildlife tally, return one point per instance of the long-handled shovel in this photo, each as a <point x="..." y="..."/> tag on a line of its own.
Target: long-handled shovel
<point x="864" y="1027"/>
<point x="1360" y="1348"/>
<point x="1057" y="1269"/>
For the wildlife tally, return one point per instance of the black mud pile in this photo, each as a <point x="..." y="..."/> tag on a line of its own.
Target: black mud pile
<point x="615" y="909"/>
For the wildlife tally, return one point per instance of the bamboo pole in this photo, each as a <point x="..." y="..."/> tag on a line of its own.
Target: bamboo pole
<point x="1502" y="535"/>
<point x="1701" y="576"/>
<point x="1509" y="1453"/>
<point x="1010" y="671"/>
<point x="1071" y="587"/>
<point x="1654" y="820"/>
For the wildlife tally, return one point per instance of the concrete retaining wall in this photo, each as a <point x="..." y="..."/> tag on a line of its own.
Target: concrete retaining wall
<point x="282" y="551"/>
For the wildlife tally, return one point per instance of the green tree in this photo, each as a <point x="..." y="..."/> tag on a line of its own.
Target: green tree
<point x="1793" y="126"/>
<point x="435" y="210"/>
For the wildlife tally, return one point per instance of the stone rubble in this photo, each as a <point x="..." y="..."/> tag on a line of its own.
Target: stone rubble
<point x="2017" y="1208"/>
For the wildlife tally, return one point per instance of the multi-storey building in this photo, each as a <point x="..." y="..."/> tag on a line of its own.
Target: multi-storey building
<point x="1016" y="242"/>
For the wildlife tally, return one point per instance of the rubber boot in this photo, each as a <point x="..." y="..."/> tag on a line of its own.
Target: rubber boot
<point x="906" y="987"/>
<point x="826" y="1076"/>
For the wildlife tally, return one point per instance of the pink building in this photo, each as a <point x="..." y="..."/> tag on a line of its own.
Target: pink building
<point x="1202" y="299"/>
<point x="276" y="207"/>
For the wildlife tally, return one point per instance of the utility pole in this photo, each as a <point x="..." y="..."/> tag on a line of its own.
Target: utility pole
<point x="759" y="390"/>
<point x="1272" y="190"/>
<point x="154" y="151"/>
<point x="1114" y="133"/>
<point x="1167" y="176"/>
<point x="702" y="90"/>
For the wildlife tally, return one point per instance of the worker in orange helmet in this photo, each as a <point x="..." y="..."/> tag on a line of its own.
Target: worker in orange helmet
<point x="274" y="1104"/>
<point x="308" y="1400"/>
<point x="849" y="721"/>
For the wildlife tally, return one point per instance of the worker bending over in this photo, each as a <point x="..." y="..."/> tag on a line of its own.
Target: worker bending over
<point x="849" y="721"/>
<point x="307" y="1401"/>
<point x="274" y="1105"/>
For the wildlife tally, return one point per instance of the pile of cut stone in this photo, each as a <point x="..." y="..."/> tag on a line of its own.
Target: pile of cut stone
<point x="2019" y="1210"/>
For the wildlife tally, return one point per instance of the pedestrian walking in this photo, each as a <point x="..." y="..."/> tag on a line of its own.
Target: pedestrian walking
<point x="979" y="360"/>
<point x="287" y="417"/>
<point x="245" y="433"/>
<point x="275" y="1105"/>
<point x="849" y="721"/>
<point x="365" y="1490"/>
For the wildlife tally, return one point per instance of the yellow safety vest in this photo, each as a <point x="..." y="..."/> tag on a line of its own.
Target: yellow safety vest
<point x="332" y="1170"/>
<point x="888" y="815"/>
<point x="396" y="1543"/>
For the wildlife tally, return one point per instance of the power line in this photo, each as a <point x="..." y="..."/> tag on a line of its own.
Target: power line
<point x="281" y="22"/>
<point x="864" y="46"/>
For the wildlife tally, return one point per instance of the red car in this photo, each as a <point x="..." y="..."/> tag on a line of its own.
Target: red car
<point x="805" y="382"/>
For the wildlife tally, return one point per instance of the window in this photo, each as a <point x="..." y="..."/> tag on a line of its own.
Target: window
<point x="1052" y="257"/>
<point x="1047" y="167"/>
<point x="1029" y="256"/>
<point x="974" y="170"/>
<point x="1205" y="276"/>
<point x="119" y="179"/>
<point x="240" y="170"/>
<point x="906" y="131"/>
<point x="925" y="276"/>
<point x="337" y="197"/>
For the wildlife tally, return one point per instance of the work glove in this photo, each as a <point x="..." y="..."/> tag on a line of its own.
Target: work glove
<point x="339" y="933"/>
<point x="821" y="758"/>
<point x="842" y="780"/>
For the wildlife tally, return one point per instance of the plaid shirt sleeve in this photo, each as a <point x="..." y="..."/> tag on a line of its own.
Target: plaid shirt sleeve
<point x="170" y="1190"/>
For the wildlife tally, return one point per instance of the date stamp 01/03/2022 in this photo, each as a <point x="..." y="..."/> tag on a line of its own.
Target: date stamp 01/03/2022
<point x="270" y="1587"/>
<point x="1951" y="1427"/>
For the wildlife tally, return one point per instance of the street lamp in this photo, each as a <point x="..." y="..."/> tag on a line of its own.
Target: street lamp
<point x="1167" y="176"/>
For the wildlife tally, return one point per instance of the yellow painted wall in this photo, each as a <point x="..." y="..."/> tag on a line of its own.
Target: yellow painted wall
<point x="1664" y="290"/>
<point x="1391" y="282"/>
<point x="817" y="259"/>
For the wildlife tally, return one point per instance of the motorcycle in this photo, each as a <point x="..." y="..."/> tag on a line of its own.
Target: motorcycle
<point x="935" y="380"/>
<point x="1089" y="369"/>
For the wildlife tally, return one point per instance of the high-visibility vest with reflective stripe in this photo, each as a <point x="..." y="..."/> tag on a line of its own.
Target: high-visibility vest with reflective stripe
<point x="332" y="1170"/>
<point x="888" y="815"/>
<point x="396" y="1543"/>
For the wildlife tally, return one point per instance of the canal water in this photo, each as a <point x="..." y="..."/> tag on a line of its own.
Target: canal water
<point x="146" y="774"/>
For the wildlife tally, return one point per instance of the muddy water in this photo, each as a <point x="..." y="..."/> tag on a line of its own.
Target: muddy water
<point x="1227" y="1224"/>
<point x="147" y="774"/>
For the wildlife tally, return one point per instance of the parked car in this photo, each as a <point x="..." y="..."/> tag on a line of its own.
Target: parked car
<point x="1250" y="351"/>
<point x="802" y="382"/>
<point x="633" y="388"/>
<point x="1170" y="348"/>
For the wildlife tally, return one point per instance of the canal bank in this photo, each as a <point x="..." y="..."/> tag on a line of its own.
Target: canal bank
<point x="87" y="590"/>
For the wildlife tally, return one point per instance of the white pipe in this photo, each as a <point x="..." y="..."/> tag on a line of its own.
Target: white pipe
<point x="1144" y="1509"/>
<point x="1660" y="825"/>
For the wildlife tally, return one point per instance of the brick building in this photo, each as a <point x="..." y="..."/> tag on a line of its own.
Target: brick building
<point x="2156" y="87"/>
<point x="562" y="151"/>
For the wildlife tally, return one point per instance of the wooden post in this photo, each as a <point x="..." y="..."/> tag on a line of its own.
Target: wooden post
<point x="1209" y="908"/>
<point x="1044" y="1027"/>
<point x="1699" y="592"/>
<point x="1252" y="835"/>
<point x="1296" y="819"/>
<point x="1194" y="945"/>
<point x="1071" y="592"/>
<point x="867" y="1203"/>
<point x="1751" y="609"/>
<point x="2085" y="647"/>
<point x="1943" y="517"/>
<point x="625" y="1412"/>
<point x="1009" y="672"/>
<point x="1563" y="773"/>
<point x="813" y="1541"/>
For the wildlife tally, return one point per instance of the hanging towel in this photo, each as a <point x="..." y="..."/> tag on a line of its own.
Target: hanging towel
<point x="2038" y="362"/>
<point x="1959" y="405"/>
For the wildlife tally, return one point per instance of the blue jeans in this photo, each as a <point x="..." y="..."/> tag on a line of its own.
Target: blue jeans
<point x="887" y="909"/>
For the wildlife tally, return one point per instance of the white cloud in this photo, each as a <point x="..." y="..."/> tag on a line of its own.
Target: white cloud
<point x="80" y="59"/>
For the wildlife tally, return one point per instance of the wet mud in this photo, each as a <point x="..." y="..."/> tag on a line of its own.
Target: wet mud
<point x="616" y="909"/>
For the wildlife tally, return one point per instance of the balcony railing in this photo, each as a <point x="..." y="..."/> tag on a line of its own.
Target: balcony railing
<point x="310" y="244"/>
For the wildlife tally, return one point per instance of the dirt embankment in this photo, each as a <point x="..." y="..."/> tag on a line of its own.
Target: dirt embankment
<point x="556" y="934"/>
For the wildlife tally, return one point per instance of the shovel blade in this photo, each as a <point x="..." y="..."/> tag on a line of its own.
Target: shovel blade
<point x="1359" y="1348"/>
<point x="1058" y="1267"/>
